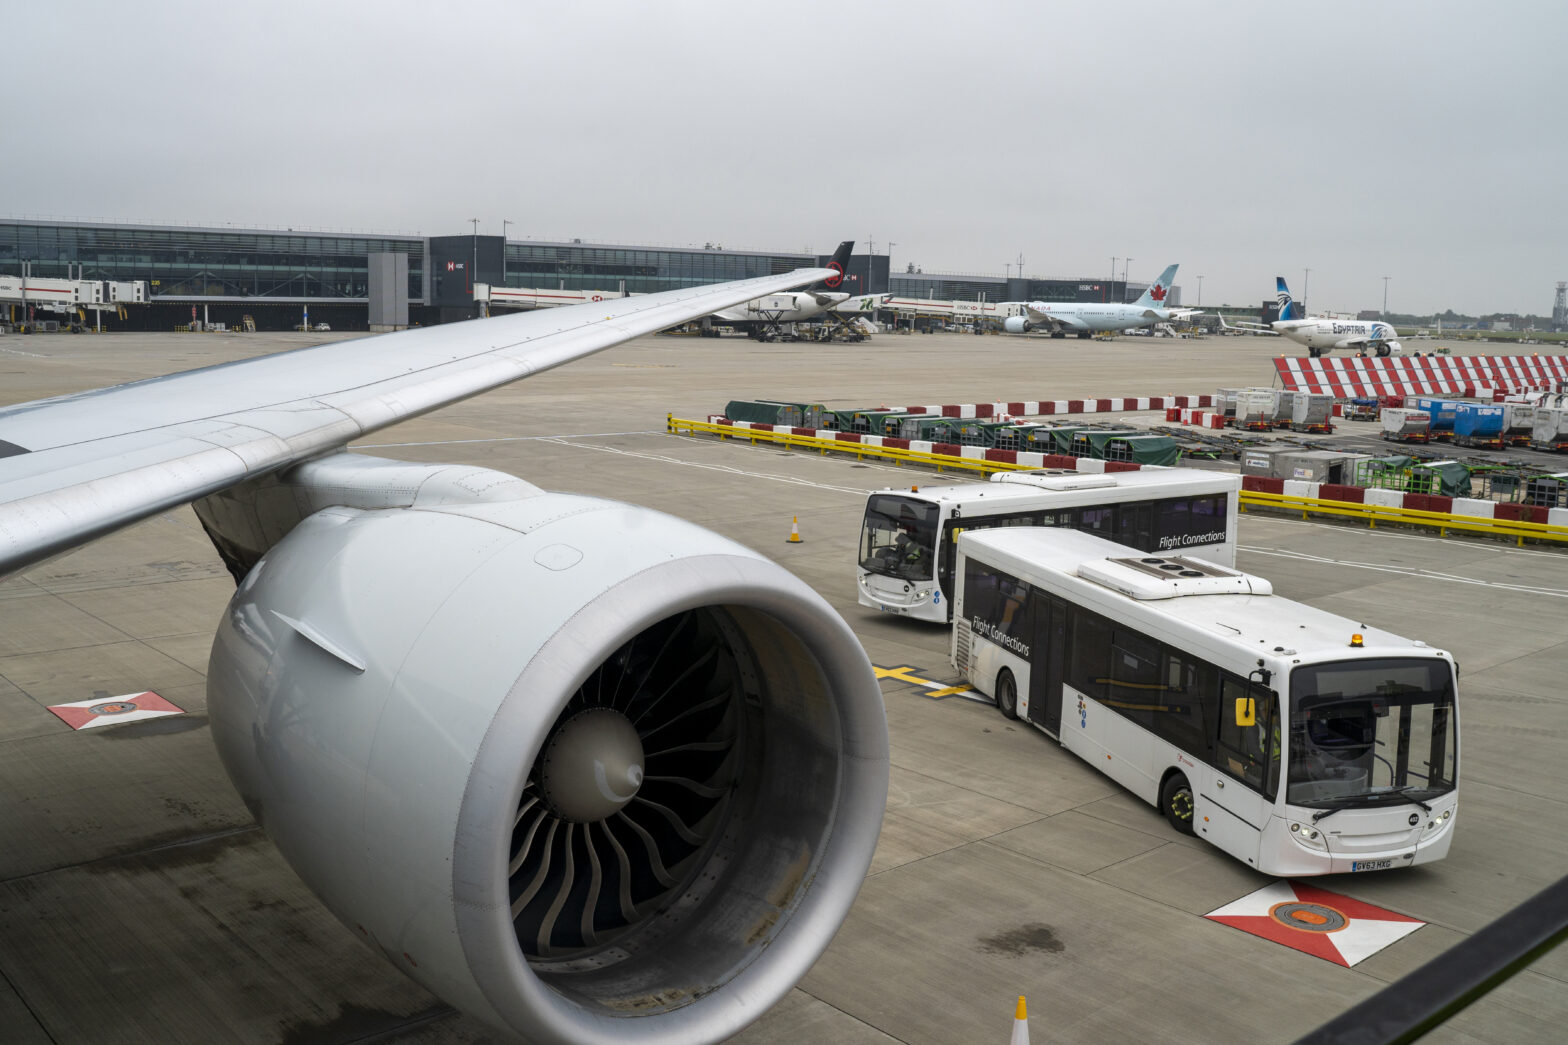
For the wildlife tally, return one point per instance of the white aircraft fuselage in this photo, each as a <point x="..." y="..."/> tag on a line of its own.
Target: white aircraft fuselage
<point x="1090" y="318"/>
<point x="1318" y="332"/>
<point x="801" y="304"/>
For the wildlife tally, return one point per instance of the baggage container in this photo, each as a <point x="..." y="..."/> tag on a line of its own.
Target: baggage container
<point x="1547" y="491"/>
<point x="1479" y="425"/>
<point x="1406" y="425"/>
<point x="1317" y="466"/>
<point x="1256" y="409"/>
<point x="1550" y="430"/>
<point x="1312" y="412"/>
<point x="1443" y="412"/>
<point x="1518" y="423"/>
<point x="1225" y="401"/>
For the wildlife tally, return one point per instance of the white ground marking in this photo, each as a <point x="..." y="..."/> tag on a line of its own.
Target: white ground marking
<point x="1407" y="571"/>
<point x="501" y="439"/>
<point x="859" y="491"/>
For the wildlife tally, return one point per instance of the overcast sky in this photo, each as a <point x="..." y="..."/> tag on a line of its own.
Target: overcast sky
<point x="1423" y="141"/>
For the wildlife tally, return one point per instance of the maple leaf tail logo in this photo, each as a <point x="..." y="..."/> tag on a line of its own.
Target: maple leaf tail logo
<point x="1157" y="292"/>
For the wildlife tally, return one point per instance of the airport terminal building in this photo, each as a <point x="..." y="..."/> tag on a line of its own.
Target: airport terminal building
<point x="281" y="278"/>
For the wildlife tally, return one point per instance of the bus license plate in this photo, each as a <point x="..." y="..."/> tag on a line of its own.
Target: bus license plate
<point x="1371" y="865"/>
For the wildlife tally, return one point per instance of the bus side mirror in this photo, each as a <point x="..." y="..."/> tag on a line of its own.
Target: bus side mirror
<point x="1246" y="711"/>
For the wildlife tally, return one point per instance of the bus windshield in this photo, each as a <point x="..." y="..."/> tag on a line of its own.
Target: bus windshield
<point x="1372" y="732"/>
<point x="899" y="537"/>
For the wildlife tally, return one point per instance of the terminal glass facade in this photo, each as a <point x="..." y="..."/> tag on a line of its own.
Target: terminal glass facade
<point x="646" y="270"/>
<point x="207" y="263"/>
<point x="940" y="287"/>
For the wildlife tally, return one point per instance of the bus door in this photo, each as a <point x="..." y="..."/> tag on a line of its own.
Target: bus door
<point x="1047" y="650"/>
<point x="1235" y="807"/>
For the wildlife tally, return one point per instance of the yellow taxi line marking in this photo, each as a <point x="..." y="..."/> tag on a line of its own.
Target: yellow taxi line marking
<point x="933" y="690"/>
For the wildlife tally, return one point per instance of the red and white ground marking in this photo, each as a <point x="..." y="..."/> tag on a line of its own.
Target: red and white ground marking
<point x="112" y="711"/>
<point x="1328" y="925"/>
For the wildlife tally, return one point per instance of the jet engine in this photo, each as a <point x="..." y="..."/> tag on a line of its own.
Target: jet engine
<point x="587" y="772"/>
<point x="1017" y="325"/>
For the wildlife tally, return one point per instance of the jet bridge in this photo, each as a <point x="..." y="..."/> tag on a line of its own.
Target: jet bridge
<point x="23" y="297"/>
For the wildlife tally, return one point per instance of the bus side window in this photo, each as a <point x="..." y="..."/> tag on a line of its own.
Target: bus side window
<point x="1188" y="691"/>
<point x="1135" y="526"/>
<point x="1098" y="521"/>
<point x="1090" y="662"/>
<point x="1136" y="686"/>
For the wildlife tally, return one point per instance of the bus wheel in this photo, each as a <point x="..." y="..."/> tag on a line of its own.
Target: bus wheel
<point x="1176" y="803"/>
<point x="1006" y="695"/>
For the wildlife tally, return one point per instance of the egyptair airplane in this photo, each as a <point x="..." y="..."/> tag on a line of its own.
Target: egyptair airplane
<point x="765" y="313"/>
<point x="1088" y="318"/>
<point x="1321" y="333"/>
<point x="1324" y="333"/>
<point x="587" y="772"/>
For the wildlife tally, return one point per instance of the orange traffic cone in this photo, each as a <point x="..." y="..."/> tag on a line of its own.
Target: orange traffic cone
<point x="794" y="532"/>
<point x="1020" y="1024"/>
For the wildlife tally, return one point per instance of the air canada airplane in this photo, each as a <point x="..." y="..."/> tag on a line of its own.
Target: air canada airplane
<point x="1088" y="318"/>
<point x="765" y="312"/>
<point x="582" y="787"/>
<point x="1322" y="333"/>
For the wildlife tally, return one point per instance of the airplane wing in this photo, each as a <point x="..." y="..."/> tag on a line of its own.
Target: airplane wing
<point x="1245" y="327"/>
<point x="80" y="466"/>
<point x="1039" y="319"/>
<point x="426" y="672"/>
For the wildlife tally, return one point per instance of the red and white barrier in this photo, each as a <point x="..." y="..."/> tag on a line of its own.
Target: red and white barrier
<point x="1201" y="418"/>
<point x="1470" y="507"/>
<point x="1475" y="376"/>
<point x="1043" y="407"/>
<point x="1026" y="458"/>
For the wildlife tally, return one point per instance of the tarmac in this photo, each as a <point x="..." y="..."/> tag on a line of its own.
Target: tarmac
<point x="140" y="903"/>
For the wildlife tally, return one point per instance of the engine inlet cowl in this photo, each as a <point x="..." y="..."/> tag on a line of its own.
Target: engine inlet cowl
<point x="587" y="772"/>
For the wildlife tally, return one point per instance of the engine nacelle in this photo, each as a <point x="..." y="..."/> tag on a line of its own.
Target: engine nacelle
<point x="1017" y="325"/>
<point x="587" y="772"/>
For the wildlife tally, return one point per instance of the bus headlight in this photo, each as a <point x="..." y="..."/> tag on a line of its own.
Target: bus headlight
<point x="1308" y="835"/>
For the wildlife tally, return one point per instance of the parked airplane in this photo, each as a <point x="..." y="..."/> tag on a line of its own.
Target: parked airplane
<point x="1324" y="333"/>
<point x="761" y="317"/>
<point x="437" y="686"/>
<point x="1085" y="318"/>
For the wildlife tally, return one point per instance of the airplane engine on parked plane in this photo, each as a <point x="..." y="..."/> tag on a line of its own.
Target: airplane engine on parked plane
<point x="585" y="771"/>
<point x="1017" y="325"/>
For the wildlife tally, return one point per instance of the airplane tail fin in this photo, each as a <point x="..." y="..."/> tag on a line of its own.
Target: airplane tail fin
<point x="839" y="263"/>
<point x="1288" y="309"/>
<point x="1154" y="295"/>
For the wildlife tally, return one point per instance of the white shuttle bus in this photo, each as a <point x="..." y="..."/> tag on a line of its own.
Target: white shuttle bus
<point x="909" y="538"/>
<point x="1297" y="741"/>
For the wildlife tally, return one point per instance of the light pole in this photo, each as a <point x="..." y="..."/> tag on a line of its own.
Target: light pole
<point x="1306" y="285"/>
<point x="473" y="262"/>
<point x="1385" y="297"/>
<point x="504" y="224"/>
<point x="1126" y="279"/>
<point x="1200" y="291"/>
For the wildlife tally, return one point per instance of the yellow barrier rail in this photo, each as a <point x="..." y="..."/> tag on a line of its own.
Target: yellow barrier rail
<point x="678" y="425"/>
<point x="1307" y="506"/>
<point x="1376" y="513"/>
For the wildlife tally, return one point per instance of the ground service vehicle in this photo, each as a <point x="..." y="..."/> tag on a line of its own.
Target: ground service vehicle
<point x="1297" y="741"/>
<point x="908" y="538"/>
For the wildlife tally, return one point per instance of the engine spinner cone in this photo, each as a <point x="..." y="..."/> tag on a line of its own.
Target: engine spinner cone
<point x="592" y="766"/>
